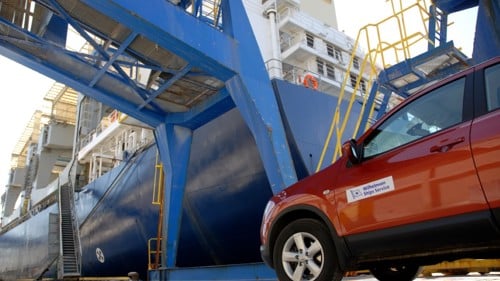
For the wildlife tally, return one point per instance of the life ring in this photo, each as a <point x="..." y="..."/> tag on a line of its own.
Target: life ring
<point x="113" y="116"/>
<point x="310" y="82"/>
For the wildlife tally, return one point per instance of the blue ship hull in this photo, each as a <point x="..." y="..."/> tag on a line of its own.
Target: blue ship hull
<point x="226" y="192"/>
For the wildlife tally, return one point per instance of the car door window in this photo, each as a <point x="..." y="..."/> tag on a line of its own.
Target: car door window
<point x="430" y="113"/>
<point x="492" y="87"/>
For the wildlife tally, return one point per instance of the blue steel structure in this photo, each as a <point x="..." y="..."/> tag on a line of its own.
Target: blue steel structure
<point x="225" y="194"/>
<point x="224" y="53"/>
<point x="204" y="65"/>
<point x="442" y="57"/>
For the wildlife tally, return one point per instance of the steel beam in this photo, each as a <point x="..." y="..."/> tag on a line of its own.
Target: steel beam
<point x="140" y="92"/>
<point x="61" y="75"/>
<point x="366" y="112"/>
<point x="166" y="85"/>
<point x="231" y="55"/>
<point x="113" y="58"/>
<point x="208" y="110"/>
<point x="177" y="31"/>
<point x="252" y="93"/>
<point x="174" y="145"/>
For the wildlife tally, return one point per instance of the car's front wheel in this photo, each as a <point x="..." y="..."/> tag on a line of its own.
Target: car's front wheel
<point x="395" y="273"/>
<point x="304" y="251"/>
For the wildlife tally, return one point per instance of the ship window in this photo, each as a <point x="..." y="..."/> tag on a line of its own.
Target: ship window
<point x="338" y="54"/>
<point x="355" y="63"/>
<point x="353" y="80"/>
<point x="310" y="40"/>
<point x="320" y="64"/>
<point x="362" y="85"/>
<point x="330" y="71"/>
<point x="329" y="50"/>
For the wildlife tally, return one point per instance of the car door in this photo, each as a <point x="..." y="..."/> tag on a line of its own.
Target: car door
<point x="485" y="134"/>
<point x="417" y="167"/>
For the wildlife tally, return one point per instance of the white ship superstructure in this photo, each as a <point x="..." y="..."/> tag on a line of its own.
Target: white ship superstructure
<point x="300" y="38"/>
<point x="41" y="154"/>
<point x="46" y="156"/>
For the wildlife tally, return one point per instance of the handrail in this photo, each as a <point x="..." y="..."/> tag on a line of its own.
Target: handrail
<point x="156" y="251"/>
<point x="60" y="261"/>
<point x="158" y="194"/>
<point x="76" y="229"/>
<point x="380" y="53"/>
<point x="76" y="232"/>
<point x="157" y="182"/>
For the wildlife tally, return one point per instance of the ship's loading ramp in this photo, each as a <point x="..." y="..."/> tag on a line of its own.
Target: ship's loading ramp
<point x="196" y="71"/>
<point x="174" y="65"/>
<point x="198" y="59"/>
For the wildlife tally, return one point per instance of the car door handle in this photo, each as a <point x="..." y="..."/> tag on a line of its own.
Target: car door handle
<point x="445" y="145"/>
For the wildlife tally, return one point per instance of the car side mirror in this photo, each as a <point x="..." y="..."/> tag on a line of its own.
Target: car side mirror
<point x="354" y="152"/>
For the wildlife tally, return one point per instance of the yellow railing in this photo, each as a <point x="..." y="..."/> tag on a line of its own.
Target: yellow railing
<point x="158" y="183"/>
<point x="211" y="9"/>
<point x="380" y="52"/>
<point x="154" y="253"/>
<point x="158" y="191"/>
<point x="26" y="203"/>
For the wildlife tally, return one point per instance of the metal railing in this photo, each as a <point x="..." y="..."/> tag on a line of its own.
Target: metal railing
<point x="314" y="26"/>
<point x="158" y="182"/>
<point x="380" y="52"/>
<point x="158" y="199"/>
<point x="66" y="193"/>
<point x="154" y="253"/>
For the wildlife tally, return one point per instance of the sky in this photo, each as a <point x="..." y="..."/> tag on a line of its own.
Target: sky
<point x="23" y="89"/>
<point x="351" y="18"/>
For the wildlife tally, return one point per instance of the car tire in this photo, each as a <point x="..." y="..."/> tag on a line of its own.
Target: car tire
<point x="304" y="251"/>
<point x="395" y="273"/>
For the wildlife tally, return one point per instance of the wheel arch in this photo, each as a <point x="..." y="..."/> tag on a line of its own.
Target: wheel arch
<point x="311" y="212"/>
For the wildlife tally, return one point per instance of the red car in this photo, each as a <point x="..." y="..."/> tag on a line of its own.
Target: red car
<point x="419" y="187"/>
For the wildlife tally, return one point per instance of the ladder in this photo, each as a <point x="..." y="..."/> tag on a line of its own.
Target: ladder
<point x="69" y="251"/>
<point x="391" y="66"/>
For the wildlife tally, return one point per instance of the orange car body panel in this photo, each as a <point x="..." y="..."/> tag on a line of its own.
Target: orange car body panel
<point x="486" y="150"/>
<point x="427" y="185"/>
<point x="445" y="174"/>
